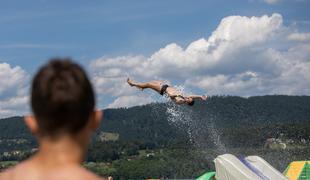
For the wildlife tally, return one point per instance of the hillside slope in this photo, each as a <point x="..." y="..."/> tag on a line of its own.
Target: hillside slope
<point x="235" y="120"/>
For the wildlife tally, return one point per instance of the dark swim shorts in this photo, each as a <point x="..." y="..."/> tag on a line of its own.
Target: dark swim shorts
<point x="163" y="89"/>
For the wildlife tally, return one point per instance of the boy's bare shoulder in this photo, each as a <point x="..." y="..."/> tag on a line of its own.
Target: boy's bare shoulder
<point x="6" y="174"/>
<point x="20" y="172"/>
<point x="16" y="172"/>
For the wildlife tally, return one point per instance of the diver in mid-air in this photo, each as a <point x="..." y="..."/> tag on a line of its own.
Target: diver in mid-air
<point x="164" y="89"/>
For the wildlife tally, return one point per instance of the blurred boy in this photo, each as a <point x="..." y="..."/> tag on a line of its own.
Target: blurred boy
<point x="63" y="104"/>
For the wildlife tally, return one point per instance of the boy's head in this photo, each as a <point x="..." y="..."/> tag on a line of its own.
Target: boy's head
<point x="62" y="98"/>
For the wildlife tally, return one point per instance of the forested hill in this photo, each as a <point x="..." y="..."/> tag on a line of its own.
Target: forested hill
<point x="160" y="124"/>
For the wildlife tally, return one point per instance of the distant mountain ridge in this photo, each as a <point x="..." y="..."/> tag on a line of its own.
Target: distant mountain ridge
<point x="154" y="123"/>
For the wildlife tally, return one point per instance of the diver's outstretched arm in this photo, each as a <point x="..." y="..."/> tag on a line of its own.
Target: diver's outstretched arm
<point x="203" y="97"/>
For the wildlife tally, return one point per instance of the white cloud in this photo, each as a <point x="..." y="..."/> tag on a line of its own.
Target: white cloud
<point x="244" y="83"/>
<point x="10" y="77"/>
<point x="13" y="90"/>
<point x="232" y="35"/>
<point x="302" y="37"/>
<point x="129" y="101"/>
<point x="14" y="106"/>
<point x="243" y="56"/>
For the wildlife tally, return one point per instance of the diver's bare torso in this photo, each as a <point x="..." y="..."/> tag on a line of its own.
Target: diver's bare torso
<point x="171" y="92"/>
<point x="174" y="95"/>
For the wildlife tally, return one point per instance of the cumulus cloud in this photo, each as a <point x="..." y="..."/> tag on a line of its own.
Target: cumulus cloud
<point x="243" y="56"/>
<point x="129" y="101"/>
<point x="110" y="74"/>
<point x="302" y="37"/>
<point x="13" y="90"/>
<point x="244" y="83"/>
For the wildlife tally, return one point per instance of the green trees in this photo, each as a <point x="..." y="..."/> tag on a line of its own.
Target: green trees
<point x="186" y="146"/>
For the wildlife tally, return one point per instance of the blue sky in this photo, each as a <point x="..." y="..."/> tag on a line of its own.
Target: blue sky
<point x="32" y="31"/>
<point x="92" y="31"/>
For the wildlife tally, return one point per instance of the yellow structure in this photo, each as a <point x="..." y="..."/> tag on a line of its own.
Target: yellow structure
<point x="298" y="170"/>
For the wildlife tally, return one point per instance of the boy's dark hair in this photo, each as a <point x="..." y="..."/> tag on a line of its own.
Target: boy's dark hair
<point x="191" y="103"/>
<point x="62" y="98"/>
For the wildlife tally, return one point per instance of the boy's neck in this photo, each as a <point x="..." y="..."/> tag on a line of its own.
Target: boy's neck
<point x="64" y="151"/>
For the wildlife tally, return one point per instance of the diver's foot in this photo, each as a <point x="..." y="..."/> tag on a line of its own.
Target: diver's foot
<point x="129" y="81"/>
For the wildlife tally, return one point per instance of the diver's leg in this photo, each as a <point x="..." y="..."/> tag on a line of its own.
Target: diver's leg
<point x="155" y="85"/>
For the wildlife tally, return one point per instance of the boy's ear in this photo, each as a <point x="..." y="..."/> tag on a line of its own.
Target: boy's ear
<point x="96" y="120"/>
<point x="32" y="124"/>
